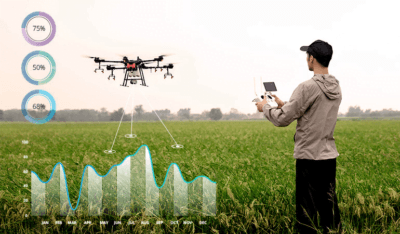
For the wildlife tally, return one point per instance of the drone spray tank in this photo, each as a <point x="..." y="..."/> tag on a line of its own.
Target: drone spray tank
<point x="134" y="73"/>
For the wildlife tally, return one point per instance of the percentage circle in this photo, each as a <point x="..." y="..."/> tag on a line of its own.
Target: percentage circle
<point x="24" y="106"/>
<point x="44" y="77"/>
<point x="42" y="35"/>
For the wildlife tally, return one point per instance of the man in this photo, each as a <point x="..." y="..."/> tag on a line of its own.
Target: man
<point x="314" y="104"/>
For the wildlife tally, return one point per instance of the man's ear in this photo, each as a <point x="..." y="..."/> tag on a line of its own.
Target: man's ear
<point x="311" y="58"/>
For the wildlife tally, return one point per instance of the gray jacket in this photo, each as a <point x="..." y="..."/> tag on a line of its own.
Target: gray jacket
<point x="314" y="104"/>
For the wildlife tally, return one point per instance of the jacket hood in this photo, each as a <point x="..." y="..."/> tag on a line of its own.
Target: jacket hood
<point x="328" y="84"/>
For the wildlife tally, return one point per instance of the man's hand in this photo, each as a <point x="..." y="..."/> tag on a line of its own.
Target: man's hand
<point x="264" y="101"/>
<point x="261" y="104"/>
<point x="278" y="101"/>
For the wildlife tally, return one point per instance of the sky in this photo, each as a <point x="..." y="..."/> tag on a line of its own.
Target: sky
<point x="218" y="47"/>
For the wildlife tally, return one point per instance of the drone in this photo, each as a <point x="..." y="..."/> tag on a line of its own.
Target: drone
<point x="133" y="68"/>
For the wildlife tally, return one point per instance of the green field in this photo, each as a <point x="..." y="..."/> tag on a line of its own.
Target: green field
<point x="251" y="161"/>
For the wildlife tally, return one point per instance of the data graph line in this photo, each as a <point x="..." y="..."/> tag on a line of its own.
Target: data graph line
<point x="84" y="170"/>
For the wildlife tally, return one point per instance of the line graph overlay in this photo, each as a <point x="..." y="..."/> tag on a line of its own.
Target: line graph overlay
<point x="127" y="188"/>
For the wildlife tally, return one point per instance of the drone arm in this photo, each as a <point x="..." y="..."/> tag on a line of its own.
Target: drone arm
<point x="151" y="60"/>
<point x="149" y="67"/>
<point x="118" y="68"/>
<point x="165" y="66"/>
<point x="106" y="61"/>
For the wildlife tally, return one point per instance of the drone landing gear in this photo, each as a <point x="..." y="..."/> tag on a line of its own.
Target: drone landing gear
<point x="139" y="76"/>
<point x="142" y="77"/>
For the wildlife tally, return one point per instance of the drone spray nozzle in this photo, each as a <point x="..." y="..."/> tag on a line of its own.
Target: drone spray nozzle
<point x="168" y="74"/>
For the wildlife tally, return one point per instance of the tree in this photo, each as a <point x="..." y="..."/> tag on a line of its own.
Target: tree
<point x="163" y="113"/>
<point x="215" y="114"/>
<point x="205" y="115"/>
<point x="87" y="115"/>
<point x="366" y="113"/>
<point x="184" y="113"/>
<point x="103" y="115"/>
<point x="235" y="114"/>
<point x="1" y="115"/>
<point x="375" y="114"/>
<point x="234" y="111"/>
<point x="14" y="115"/>
<point x="139" y="110"/>
<point x="354" y="111"/>
<point x="116" y="115"/>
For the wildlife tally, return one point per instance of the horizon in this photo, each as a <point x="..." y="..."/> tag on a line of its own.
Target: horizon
<point x="176" y="112"/>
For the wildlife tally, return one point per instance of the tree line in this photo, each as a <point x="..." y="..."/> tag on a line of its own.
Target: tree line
<point x="356" y="111"/>
<point x="139" y="114"/>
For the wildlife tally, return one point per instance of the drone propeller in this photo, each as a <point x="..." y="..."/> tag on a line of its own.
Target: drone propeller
<point x="87" y="56"/>
<point x="125" y="56"/>
<point x="161" y="57"/>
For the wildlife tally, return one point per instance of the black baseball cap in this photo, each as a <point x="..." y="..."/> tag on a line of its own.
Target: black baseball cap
<point x="321" y="50"/>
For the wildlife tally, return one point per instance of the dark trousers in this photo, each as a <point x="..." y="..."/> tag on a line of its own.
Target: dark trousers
<point x="316" y="196"/>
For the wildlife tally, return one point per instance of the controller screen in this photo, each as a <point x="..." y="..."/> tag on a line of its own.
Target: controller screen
<point x="269" y="86"/>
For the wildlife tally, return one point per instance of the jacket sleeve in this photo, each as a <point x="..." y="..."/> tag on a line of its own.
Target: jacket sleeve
<point x="294" y="109"/>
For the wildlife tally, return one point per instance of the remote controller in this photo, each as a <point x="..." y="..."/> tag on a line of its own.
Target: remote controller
<point x="269" y="86"/>
<point x="262" y="98"/>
